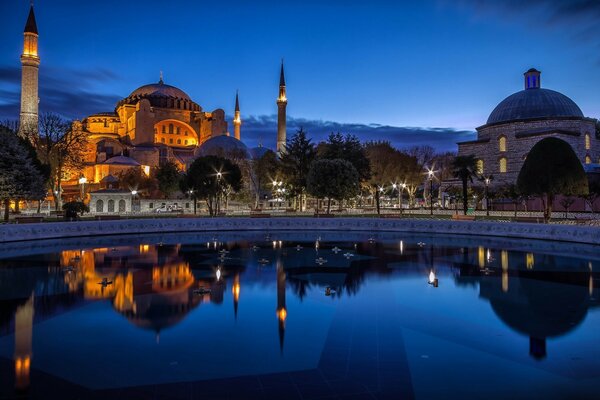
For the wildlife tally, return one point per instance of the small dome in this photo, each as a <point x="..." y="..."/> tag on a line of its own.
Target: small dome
<point x="122" y="160"/>
<point x="160" y="90"/>
<point x="224" y="146"/>
<point x="258" y="152"/>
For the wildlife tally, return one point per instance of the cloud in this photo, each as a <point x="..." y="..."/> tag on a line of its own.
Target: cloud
<point x="580" y="18"/>
<point x="58" y="93"/>
<point x="263" y="129"/>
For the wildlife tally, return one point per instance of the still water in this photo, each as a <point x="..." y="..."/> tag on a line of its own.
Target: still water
<point x="288" y="315"/>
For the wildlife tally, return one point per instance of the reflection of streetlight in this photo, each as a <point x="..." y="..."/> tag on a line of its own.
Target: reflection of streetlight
<point x="432" y="279"/>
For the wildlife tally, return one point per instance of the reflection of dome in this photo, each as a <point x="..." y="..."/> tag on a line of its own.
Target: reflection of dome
<point x="122" y="160"/>
<point x="534" y="103"/>
<point x="223" y="146"/>
<point x="159" y="311"/>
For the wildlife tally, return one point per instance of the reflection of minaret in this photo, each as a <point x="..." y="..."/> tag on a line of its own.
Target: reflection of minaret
<point x="30" y="63"/>
<point x="23" y="335"/>
<point x="235" y="290"/>
<point x="281" y="113"/>
<point x="281" y="310"/>
<point x="237" y="119"/>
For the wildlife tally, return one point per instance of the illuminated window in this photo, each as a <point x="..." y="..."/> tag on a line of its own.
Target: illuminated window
<point x="186" y="142"/>
<point x="502" y="143"/>
<point x="164" y="129"/>
<point x="588" y="159"/>
<point x="503" y="165"/>
<point x="588" y="141"/>
<point x="170" y="128"/>
<point x="480" y="166"/>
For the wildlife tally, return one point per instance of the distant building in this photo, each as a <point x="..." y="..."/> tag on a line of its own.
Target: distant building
<point x="154" y="124"/>
<point x="523" y="119"/>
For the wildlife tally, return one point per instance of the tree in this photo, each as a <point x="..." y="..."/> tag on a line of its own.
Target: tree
<point x="74" y="209"/>
<point x="209" y="178"/>
<point x="167" y="177"/>
<point x="385" y="162"/>
<point x="20" y="176"/>
<point x="295" y="163"/>
<point x="264" y="171"/>
<point x="346" y="148"/>
<point x="135" y="179"/>
<point x="61" y="145"/>
<point x="332" y="179"/>
<point x="511" y="192"/>
<point x="552" y="168"/>
<point x="594" y="191"/>
<point x="464" y="168"/>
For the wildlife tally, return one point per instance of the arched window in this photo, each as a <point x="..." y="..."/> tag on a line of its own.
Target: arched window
<point x="121" y="205"/>
<point x="178" y="131"/>
<point x="185" y="133"/>
<point x="588" y="159"/>
<point x="186" y="142"/>
<point x="480" y="166"/>
<point x="502" y="144"/>
<point x="99" y="206"/>
<point x="111" y="206"/>
<point x="170" y="128"/>
<point x="503" y="167"/>
<point x="164" y="129"/>
<point x="588" y="141"/>
<point x="170" y="141"/>
<point x="178" y="141"/>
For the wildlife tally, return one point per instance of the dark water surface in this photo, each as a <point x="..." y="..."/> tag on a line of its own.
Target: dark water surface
<point x="233" y="315"/>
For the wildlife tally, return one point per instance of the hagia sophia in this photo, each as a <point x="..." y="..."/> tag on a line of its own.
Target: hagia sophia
<point x="154" y="124"/>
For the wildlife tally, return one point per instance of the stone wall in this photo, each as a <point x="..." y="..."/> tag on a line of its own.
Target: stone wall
<point x="565" y="233"/>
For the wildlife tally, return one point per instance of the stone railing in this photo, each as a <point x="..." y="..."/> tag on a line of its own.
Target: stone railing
<point x="59" y="230"/>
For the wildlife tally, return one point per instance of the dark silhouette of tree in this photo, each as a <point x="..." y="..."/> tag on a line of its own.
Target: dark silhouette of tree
<point x="168" y="176"/>
<point x="464" y="168"/>
<point x="552" y="168"/>
<point x="332" y="179"/>
<point x="349" y="148"/>
<point x="295" y="163"/>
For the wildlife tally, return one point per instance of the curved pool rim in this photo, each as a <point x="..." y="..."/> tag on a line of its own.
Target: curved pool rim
<point x="60" y="230"/>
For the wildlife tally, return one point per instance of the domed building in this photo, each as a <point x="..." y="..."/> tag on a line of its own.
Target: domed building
<point x="523" y="119"/>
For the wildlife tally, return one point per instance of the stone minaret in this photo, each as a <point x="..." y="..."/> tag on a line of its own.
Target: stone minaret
<point x="237" y="120"/>
<point x="30" y="62"/>
<point x="281" y="117"/>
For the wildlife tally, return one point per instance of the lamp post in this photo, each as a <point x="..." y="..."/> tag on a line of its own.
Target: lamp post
<point x="402" y="186"/>
<point x="430" y="175"/>
<point x="191" y="193"/>
<point x="487" y="201"/>
<point x="82" y="182"/>
<point x="133" y="193"/>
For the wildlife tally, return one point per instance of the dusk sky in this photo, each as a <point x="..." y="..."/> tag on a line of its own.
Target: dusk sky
<point x="410" y="72"/>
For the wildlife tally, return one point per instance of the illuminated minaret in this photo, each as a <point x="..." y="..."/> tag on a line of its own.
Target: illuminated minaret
<point x="281" y="309"/>
<point x="237" y="120"/>
<point x="30" y="63"/>
<point x="281" y="116"/>
<point x="23" y="336"/>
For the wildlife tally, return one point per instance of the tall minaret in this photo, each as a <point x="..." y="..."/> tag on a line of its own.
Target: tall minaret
<point x="281" y="117"/>
<point x="237" y="120"/>
<point x="30" y="63"/>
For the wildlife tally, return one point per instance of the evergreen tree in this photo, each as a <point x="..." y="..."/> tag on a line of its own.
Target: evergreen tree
<point x="295" y="164"/>
<point x="168" y="176"/>
<point x="332" y="179"/>
<point x="346" y="148"/>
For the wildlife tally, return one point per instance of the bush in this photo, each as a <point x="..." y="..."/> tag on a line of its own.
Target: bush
<point x="74" y="209"/>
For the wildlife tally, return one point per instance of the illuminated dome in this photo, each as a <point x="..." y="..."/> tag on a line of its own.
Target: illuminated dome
<point x="161" y="95"/>
<point x="534" y="103"/>
<point x="224" y="146"/>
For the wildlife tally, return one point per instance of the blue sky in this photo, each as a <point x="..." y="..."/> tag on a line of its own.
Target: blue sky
<point x="368" y="68"/>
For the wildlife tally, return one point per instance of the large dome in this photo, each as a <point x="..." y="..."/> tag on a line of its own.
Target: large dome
<point x="159" y="89"/>
<point x="534" y="103"/>
<point x="224" y="146"/>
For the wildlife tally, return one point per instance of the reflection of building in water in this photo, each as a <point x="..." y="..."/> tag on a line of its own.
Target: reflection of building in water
<point x="23" y="336"/>
<point x="281" y="308"/>
<point x="151" y="286"/>
<point x="541" y="304"/>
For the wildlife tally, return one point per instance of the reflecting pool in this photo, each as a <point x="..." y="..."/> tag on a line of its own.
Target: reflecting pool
<point x="299" y="315"/>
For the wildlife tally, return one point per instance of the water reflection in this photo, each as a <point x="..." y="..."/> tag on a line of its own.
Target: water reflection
<point x="156" y="286"/>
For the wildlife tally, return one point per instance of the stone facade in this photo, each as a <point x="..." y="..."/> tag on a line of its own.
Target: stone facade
<point x="521" y="121"/>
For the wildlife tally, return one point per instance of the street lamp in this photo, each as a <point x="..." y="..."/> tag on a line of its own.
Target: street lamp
<point x="403" y="186"/>
<point x="133" y="193"/>
<point x="82" y="182"/>
<point x="487" y="181"/>
<point x="430" y="174"/>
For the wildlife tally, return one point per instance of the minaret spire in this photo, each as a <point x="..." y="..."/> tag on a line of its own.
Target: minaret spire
<point x="237" y="119"/>
<point x="281" y="113"/>
<point x="161" y="80"/>
<point x="30" y="63"/>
